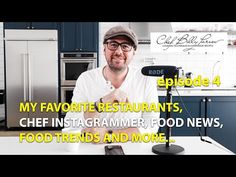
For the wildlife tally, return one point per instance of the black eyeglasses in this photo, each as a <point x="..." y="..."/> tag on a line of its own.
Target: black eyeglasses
<point x="113" y="46"/>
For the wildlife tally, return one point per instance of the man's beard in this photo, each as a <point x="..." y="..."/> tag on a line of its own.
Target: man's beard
<point x="117" y="69"/>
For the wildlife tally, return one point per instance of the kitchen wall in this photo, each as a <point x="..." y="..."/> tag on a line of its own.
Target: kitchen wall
<point x="1" y="58"/>
<point x="1" y="69"/>
<point x="198" y="64"/>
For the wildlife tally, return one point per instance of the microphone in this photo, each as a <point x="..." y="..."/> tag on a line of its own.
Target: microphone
<point x="160" y="70"/>
<point x="168" y="72"/>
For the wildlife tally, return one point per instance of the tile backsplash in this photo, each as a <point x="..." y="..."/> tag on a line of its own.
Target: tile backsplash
<point x="207" y="65"/>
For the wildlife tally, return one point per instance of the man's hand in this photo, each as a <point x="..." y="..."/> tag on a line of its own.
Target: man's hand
<point x="115" y="96"/>
<point x="128" y="131"/>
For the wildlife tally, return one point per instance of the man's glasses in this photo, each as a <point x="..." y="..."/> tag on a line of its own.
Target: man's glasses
<point x="113" y="46"/>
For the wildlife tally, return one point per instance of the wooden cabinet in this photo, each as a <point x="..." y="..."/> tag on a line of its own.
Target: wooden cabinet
<point x="30" y="25"/>
<point x="196" y="108"/>
<point x="44" y="25"/>
<point x="16" y="25"/>
<point x="78" y="36"/>
<point x="72" y="36"/>
<point x="223" y="107"/>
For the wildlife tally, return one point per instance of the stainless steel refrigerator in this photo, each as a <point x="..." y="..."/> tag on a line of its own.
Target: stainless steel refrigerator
<point x="31" y="61"/>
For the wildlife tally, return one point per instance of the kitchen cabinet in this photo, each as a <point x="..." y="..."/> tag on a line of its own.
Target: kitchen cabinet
<point x="195" y="106"/>
<point x="44" y="25"/>
<point x="223" y="107"/>
<point x="16" y="25"/>
<point x="72" y="36"/>
<point x="30" y="25"/>
<point x="78" y="36"/>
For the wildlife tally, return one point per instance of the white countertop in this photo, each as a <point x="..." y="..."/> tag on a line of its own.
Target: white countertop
<point x="192" y="145"/>
<point x="200" y="91"/>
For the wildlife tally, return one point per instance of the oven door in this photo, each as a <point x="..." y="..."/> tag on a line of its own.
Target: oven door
<point x="72" y="68"/>
<point x="66" y="95"/>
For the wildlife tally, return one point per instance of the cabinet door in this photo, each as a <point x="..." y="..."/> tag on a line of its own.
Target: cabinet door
<point x="78" y="36"/>
<point x="44" y="25"/>
<point x="30" y="25"/>
<point x="89" y="36"/>
<point x="68" y="36"/>
<point x="224" y="108"/>
<point x="196" y="108"/>
<point x="17" y="25"/>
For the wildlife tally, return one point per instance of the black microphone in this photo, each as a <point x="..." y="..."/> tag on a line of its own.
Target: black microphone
<point x="167" y="72"/>
<point x="159" y="70"/>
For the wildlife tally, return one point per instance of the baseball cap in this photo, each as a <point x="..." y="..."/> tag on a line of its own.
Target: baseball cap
<point x="121" y="31"/>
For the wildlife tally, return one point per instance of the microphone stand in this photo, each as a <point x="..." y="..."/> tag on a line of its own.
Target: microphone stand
<point x="167" y="149"/>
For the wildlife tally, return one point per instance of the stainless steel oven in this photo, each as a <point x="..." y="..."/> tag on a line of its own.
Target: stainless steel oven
<point x="66" y="94"/>
<point x="73" y="64"/>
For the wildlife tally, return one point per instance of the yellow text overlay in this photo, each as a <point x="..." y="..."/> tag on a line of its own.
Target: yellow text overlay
<point x="197" y="82"/>
<point x="104" y="107"/>
<point x="92" y="138"/>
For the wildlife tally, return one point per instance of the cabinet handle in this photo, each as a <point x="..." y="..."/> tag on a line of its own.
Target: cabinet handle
<point x="25" y="81"/>
<point x="28" y="27"/>
<point x="76" y="49"/>
<point x="80" y="49"/>
<point x="29" y="77"/>
<point x="204" y="100"/>
<point x="32" y="27"/>
<point x="209" y="100"/>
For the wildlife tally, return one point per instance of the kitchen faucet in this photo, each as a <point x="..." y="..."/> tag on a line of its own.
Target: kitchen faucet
<point x="213" y="71"/>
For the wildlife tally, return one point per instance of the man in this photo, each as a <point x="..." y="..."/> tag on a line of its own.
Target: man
<point x="116" y="82"/>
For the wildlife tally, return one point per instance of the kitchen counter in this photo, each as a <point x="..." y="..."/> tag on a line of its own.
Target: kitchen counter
<point x="200" y="91"/>
<point x="192" y="145"/>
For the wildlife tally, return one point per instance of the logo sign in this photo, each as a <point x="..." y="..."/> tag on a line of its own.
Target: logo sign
<point x="184" y="42"/>
<point x="155" y="72"/>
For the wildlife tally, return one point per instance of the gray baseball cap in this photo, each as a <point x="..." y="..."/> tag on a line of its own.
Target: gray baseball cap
<point x="121" y="31"/>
